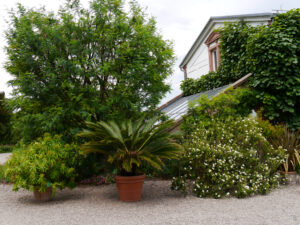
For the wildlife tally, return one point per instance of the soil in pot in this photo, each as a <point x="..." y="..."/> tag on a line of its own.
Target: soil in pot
<point x="42" y="196"/>
<point x="130" y="187"/>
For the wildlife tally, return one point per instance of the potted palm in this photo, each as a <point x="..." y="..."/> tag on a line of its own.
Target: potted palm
<point x="128" y="145"/>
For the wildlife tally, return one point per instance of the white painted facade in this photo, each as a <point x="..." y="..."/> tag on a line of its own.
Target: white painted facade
<point x="196" y="62"/>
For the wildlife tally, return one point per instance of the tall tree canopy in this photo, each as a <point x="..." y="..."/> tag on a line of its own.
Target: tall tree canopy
<point x="80" y="64"/>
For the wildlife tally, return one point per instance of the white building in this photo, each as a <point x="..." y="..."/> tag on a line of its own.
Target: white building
<point x="204" y="55"/>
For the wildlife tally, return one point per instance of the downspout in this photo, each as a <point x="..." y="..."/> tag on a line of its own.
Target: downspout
<point x="184" y="72"/>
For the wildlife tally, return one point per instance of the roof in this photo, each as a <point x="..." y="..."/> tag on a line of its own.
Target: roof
<point x="178" y="106"/>
<point x="257" y="17"/>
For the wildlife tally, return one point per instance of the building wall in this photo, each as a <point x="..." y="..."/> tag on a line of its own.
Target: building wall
<point x="198" y="65"/>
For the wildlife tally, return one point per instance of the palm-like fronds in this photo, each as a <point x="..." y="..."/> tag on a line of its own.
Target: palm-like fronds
<point x="290" y="142"/>
<point x="130" y="143"/>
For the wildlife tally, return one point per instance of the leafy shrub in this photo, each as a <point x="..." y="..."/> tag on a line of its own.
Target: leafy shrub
<point x="290" y="142"/>
<point x="91" y="165"/>
<point x="228" y="157"/>
<point x="274" y="54"/>
<point x="45" y="163"/>
<point x="270" y="132"/>
<point x="6" y="148"/>
<point x="169" y="170"/>
<point x="282" y="136"/>
<point x="3" y="178"/>
<point x="206" y="82"/>
<point x="234" y="102"/>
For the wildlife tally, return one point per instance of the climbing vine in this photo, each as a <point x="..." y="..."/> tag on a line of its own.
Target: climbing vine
<point x="271" y="54"/>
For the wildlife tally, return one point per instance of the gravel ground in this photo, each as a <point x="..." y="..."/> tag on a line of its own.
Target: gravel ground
<point x="159" y="205"/>
<point x="4" y="157"/>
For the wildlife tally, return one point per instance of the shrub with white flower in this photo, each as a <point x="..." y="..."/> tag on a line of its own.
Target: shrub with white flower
<point x="228" y="157"/>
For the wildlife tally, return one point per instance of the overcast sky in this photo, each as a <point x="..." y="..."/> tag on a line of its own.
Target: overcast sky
<point x="178" y="20"/>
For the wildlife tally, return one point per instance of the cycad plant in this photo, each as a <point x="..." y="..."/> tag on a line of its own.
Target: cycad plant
<point x="130" y="143"/>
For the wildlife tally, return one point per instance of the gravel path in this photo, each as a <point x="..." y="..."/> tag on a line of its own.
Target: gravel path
<point x="4" y="157"/>
<point x="100" y="205"/>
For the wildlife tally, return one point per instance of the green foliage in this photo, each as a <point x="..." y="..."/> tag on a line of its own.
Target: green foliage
<point x="271" y="54"/>
<point x="5" y="117"/>
<point x="233" y="43"/>
<point x="168" y="171"/>
<point x="274" y="54"/>
<point x="6" y="148"/>
<point x="290" y="142"/>
<point x="232" y="103"/>
<point x="129" y="144"/>
<point x="206" y="82"/>
<point x="3" y="178"/>
<point x="48" y="162"/>
<point x="100" y="63"/>
<point x="270" y="132"/>
<point x="228" y="158"/>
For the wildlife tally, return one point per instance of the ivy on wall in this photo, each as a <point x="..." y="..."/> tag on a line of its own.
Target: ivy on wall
<point x="272" y="54"/>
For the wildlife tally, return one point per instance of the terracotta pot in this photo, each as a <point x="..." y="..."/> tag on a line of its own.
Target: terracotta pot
<point x="130" y="187"/>
<point x="42" y="196"/>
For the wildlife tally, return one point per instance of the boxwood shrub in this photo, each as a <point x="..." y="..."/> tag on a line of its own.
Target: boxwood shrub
<point x="47" y="162"/>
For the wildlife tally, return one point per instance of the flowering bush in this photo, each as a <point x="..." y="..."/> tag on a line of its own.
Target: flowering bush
<point x="228" y="157"/>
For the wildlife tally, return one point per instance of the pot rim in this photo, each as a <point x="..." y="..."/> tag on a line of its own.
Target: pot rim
<point x="137" y="176"/>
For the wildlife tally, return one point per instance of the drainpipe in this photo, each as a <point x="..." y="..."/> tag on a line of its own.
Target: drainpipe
<point x="184" y="72"/>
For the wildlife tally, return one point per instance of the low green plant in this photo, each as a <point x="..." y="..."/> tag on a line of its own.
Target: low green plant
<point x="232" y="103"/>
<point x="206" y="82"/>
<point x="228" y="157"/>
<point x="6" y="148"/>
<point x="290" y="142"/>
<point x="271" y="132"/>
<point x="129" y="145"/>
<point x="3" y="178"/>
<point x="47" y="162"/>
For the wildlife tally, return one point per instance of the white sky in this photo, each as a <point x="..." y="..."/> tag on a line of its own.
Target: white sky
<point x="178" y="20"/>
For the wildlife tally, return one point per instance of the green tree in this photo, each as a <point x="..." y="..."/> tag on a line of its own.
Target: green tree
<point x="5" y="117"/>
<point x="79" y="64"/>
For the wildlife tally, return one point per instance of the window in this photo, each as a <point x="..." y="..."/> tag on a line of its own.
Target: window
<point x="212" y="43"/>
<point x="215" y="59"/>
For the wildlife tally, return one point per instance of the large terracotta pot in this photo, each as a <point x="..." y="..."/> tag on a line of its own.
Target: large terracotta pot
<point x="130" y="187"/>
<point x="42" y="196"/>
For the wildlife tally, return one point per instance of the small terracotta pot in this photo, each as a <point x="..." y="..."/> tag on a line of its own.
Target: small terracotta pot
<point x="130" y="187"/>
<point x="42" y="196"/>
